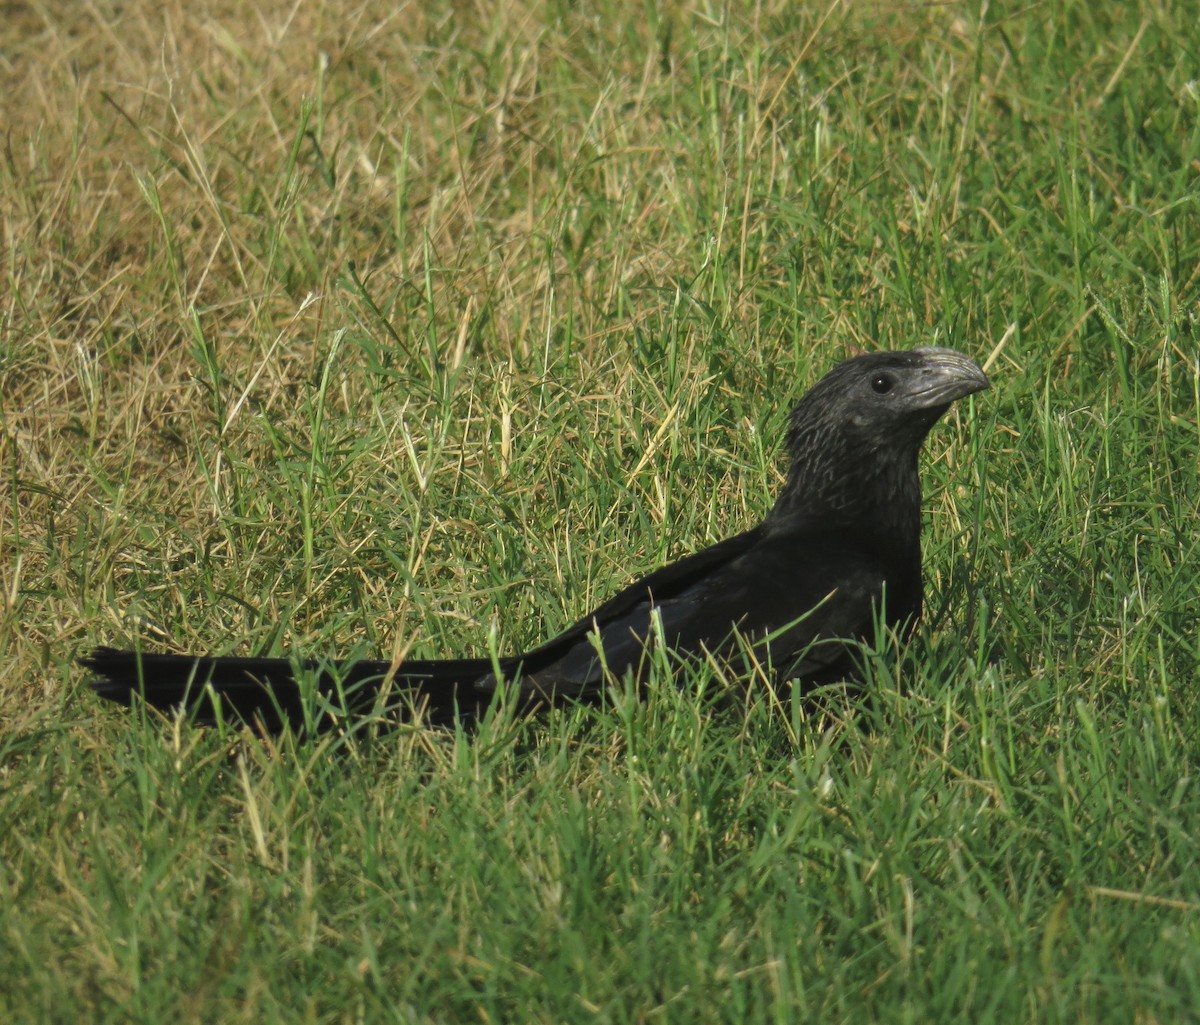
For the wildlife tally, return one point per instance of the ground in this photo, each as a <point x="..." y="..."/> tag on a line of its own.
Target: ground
<point x="422" y="328"/>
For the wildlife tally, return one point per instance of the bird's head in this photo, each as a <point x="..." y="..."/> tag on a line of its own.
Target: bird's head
<point x="855" y="436"/>
<point x="887" y="399"/>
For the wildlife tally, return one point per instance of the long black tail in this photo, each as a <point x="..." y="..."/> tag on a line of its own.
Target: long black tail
<point x="269" y="693"/>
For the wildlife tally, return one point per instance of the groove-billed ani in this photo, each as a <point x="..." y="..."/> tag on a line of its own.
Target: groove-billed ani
<point x="839" y="552"/>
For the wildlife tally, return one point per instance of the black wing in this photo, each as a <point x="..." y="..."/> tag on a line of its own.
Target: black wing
<point x="794" y="595"/>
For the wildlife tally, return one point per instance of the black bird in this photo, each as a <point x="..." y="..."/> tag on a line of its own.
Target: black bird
<point x="838" y="553"/>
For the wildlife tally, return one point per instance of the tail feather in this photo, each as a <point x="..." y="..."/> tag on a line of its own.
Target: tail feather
<point x="272" y="693"/>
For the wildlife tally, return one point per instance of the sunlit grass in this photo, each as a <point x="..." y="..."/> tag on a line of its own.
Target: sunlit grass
<point x="422" y="329"/>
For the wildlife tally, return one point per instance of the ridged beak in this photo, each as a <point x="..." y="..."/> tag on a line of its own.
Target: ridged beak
<point x="946" y="376"/>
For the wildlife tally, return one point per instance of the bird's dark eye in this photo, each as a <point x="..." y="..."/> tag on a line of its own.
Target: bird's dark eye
<point x="882" y="383"/>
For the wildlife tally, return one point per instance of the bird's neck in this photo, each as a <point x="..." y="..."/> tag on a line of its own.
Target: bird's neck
<point x="884" y="498"/>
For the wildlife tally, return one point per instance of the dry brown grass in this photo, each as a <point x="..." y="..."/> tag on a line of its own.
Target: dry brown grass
<point x="192" y="194"/>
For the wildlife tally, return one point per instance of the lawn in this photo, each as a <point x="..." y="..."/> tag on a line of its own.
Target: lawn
<point x="336" y="328"/>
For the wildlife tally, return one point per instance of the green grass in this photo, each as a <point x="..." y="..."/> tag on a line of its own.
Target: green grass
<point x="412" y="328"/>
